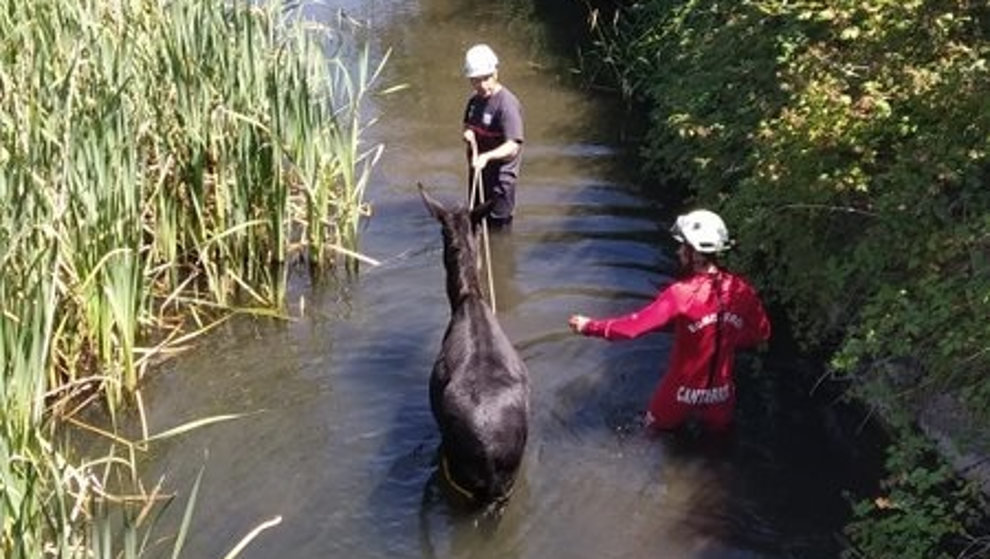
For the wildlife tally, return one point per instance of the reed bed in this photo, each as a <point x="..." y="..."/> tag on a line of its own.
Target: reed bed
<point x="160" y="165"/>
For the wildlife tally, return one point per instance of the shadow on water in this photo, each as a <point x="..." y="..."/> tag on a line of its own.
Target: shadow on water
<point x="449" y="527"/>
<point x="773" y="486"/>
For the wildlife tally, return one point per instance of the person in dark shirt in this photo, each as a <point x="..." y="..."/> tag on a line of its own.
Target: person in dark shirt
<point x="493" y="131"/>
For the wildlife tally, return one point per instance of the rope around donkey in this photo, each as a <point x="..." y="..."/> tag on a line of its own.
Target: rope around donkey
<point x="476" y="188"/>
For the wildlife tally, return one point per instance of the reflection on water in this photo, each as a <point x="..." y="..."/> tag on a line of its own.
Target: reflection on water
<point x="343" y="445"/>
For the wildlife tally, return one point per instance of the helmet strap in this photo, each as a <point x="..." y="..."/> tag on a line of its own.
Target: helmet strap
<point x="700" y="261"/>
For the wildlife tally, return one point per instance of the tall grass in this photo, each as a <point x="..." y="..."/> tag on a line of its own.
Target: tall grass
<point x="159" y="161"/>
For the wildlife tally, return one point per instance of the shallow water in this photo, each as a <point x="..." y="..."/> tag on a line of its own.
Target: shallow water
<point x="339" y="440"/>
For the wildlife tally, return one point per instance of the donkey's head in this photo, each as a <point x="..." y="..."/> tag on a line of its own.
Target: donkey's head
<point x="460" y="244"/>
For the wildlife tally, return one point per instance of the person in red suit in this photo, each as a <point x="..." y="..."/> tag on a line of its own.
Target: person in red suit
<point x="713" y="313"/>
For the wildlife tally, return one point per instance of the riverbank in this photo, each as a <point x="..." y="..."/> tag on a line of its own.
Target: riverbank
<point x="848" y="146"/>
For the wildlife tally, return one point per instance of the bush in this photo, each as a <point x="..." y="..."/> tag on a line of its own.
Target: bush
<point x="847" y="143"/>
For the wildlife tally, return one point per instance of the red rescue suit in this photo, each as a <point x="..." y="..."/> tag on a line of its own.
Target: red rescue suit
<point x="699" y="379"/>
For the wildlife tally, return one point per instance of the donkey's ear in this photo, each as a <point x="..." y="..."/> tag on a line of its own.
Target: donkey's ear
<point x="435" y="208"/>
<point x="481" y="212"/>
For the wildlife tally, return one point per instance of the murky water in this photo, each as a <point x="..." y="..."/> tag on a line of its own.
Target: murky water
<point x="340" y="442"/>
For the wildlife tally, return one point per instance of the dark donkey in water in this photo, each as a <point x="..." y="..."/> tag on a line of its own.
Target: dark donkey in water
<point x="479" y="389"/>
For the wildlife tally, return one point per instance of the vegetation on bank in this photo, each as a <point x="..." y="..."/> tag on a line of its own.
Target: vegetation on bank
<point x="160" y="164"/>
<point x="848" y="144"/>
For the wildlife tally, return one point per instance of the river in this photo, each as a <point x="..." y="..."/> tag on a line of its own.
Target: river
<point x="338" y="439"/>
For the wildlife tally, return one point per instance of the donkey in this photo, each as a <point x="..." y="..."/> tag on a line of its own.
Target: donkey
<point x="479" y="388"/>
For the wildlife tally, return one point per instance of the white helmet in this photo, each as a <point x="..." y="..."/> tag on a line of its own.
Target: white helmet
<point x="703" y="230"/>
<point x="479" y="61"/>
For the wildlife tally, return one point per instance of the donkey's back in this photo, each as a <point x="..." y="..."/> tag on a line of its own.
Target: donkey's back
<point x="479" y="388"/>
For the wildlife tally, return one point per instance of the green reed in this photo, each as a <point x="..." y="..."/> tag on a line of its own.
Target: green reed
<point x="159" y="162"/>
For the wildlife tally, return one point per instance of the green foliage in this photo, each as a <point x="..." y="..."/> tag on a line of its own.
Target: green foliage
<point x="819" y="128"/>
<point x="923" y="512"/>
<point x="708" y="73"/>
<point x="847" y="143"/>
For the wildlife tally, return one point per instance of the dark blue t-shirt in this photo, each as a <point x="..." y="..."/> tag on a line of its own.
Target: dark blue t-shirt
<point x="494" y="120"/>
